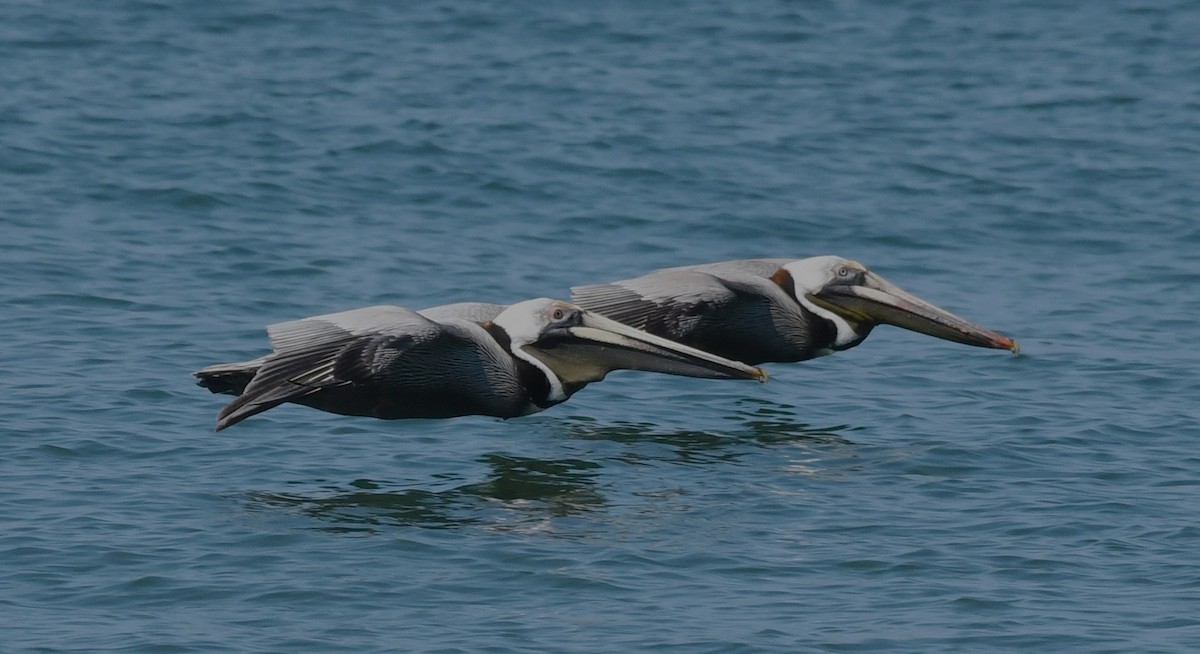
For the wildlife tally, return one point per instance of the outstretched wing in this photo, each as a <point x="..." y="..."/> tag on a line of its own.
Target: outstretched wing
<point x="670" y="303"/>
<point x="731" y="308"/>
<point x="323" y="352"/>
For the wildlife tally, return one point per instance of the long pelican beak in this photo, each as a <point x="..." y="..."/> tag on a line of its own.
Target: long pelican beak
<point x="586" y="352"/>
<point x="876" y="300"/>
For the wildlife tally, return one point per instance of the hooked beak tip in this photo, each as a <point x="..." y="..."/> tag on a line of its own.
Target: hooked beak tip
<point x="881" y="301"/>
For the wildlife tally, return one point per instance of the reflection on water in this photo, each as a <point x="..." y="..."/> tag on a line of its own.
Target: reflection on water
<point x="768" y="422"/>
<point x="360" y="511"/>
<point x="560" y="487"/>
<point x="518" y="489"/>
<point x="761" y="423"/>
<point x="521" y="491"/>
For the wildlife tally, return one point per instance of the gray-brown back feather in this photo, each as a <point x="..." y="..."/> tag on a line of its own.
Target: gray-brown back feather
<point x="470" y="311"/>
<point x="729" y="308"/>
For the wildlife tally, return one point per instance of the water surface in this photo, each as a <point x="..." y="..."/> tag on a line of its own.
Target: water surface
<point x="176" y="176"/>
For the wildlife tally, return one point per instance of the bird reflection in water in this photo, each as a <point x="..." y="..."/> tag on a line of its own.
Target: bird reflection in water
<point x="519" y="491"/>
<point x="522" y="493"/>
<point x="759" y="424"/>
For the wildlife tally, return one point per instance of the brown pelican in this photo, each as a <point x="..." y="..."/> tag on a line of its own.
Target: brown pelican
<point x="454" y="360"/>
<point x="760" y="310"/>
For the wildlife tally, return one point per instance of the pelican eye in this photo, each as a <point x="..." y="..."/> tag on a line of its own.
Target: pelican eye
<point x="558" y="314"/>
<point x="843" y="271"/>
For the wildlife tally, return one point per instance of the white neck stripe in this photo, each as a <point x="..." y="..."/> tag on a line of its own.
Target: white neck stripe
<point x="845" y="333"/>
<point x="557" y="394"/>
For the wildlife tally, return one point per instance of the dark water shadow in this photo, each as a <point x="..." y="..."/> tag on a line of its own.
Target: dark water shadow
<point x="518" y="490"/>
<point x="759" y="424"/>
<point x="522" y="491"/>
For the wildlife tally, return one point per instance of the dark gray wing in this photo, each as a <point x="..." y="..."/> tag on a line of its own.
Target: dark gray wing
<point x="324" y="352"/>
<point x="229" y="378"/>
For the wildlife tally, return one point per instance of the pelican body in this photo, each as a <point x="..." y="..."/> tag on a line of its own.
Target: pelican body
<point x="461" y="359"/>
<point x="762" y="310"/>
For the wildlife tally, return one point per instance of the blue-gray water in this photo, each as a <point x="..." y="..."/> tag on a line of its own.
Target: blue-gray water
<point x="174" y="176"/>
